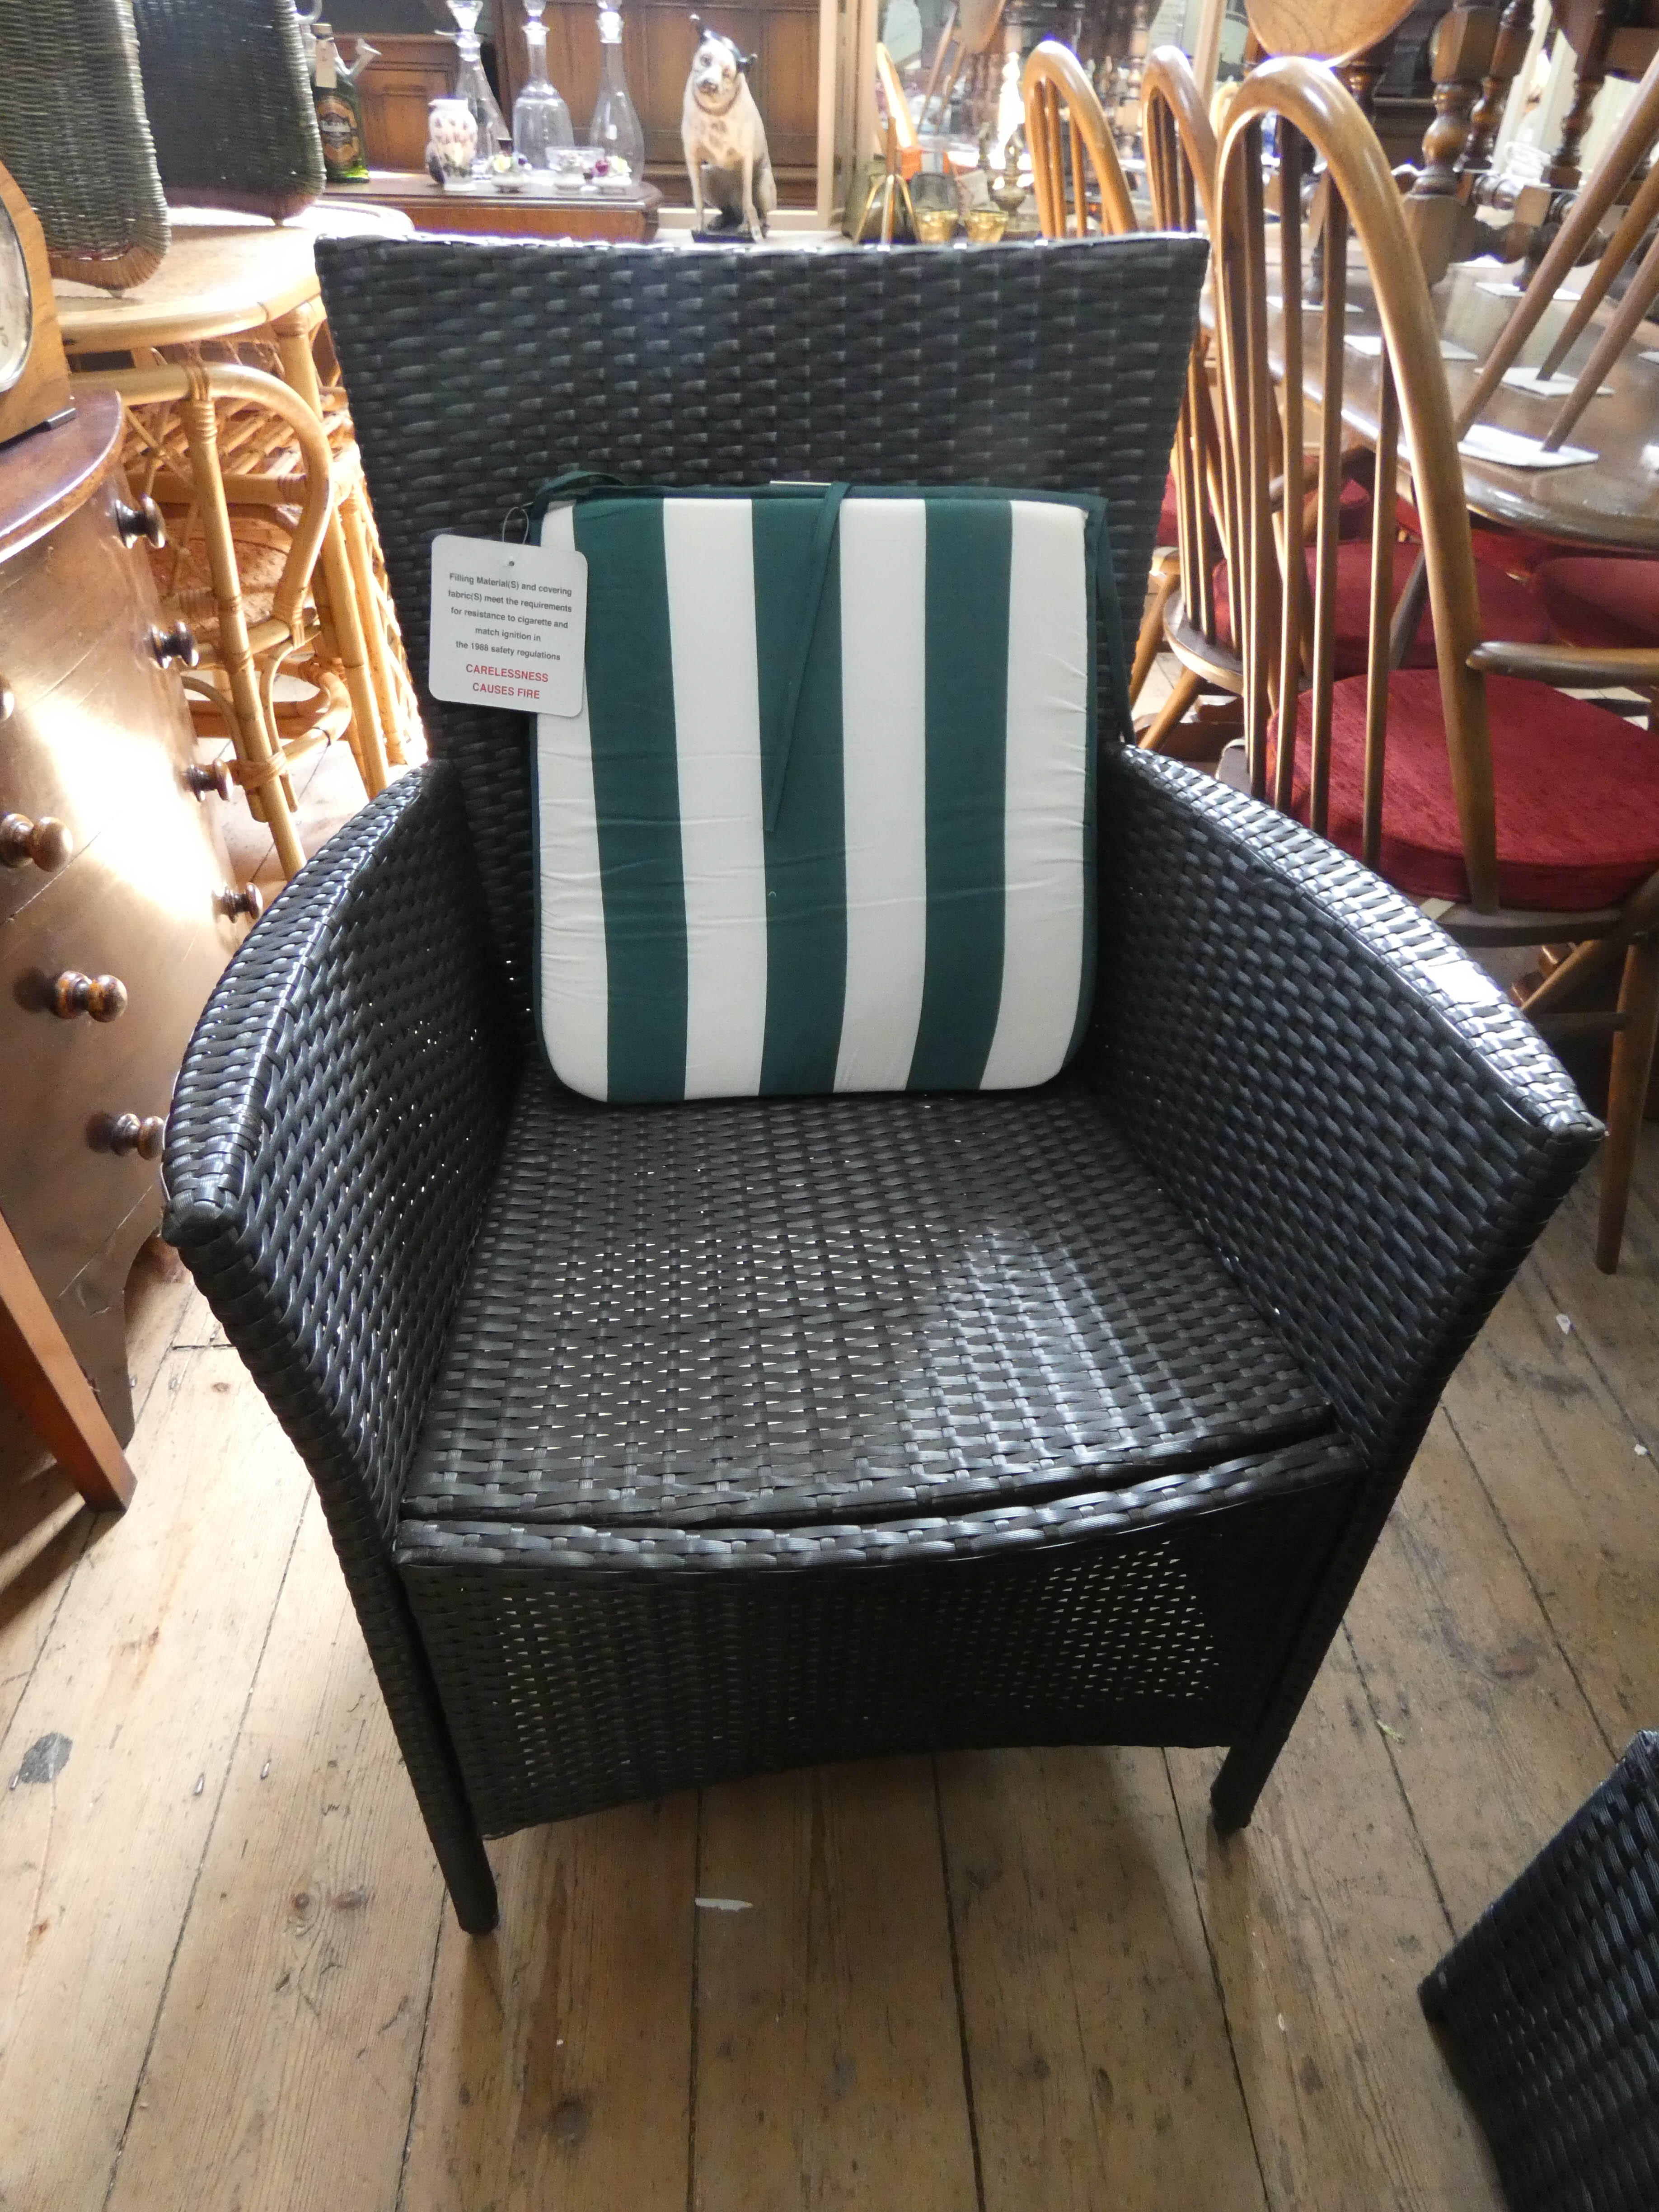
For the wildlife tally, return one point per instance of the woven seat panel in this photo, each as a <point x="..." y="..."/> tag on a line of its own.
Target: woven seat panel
<point x="834" y="1309"/>
<point x="580" y="1667"/>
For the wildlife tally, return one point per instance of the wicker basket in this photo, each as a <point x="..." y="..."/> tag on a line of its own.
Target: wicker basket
<point x="230" y="104"/>
<point x="73" y="133"/>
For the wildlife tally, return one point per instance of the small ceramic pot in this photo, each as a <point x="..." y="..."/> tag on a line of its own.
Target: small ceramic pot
<point x="452" y="133"/>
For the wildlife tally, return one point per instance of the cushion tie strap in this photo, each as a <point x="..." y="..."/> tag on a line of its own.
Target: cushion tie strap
<point x="823" y="539"/>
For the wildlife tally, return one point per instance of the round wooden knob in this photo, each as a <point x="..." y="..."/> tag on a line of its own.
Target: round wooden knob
<point x="46" y="843"/>
<point x="247" y="901"/>
<point x="144" y="522"/>
<point x="216" y="782"/>
<point x="103" y="997"/>
<point x="175" y="647"/>
<point x="128" y="1133"/>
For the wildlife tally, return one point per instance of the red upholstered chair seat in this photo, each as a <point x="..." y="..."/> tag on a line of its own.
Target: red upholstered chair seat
<point x="1353" y="517"/>
<point x="1517" y="553"/>
<point x="1577" y="793"/>
<point x="1169" y="528"/>
<point x="1508" y="609"/>
<point x="1606" y="603"/>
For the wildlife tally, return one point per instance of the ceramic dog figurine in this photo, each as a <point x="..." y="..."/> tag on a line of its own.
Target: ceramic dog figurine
<point x="724" y="138"/>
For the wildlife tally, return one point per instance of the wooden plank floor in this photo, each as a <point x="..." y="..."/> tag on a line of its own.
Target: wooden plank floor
<point x="228" y="1977"/>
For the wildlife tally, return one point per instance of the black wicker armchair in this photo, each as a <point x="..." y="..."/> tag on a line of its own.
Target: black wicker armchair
<point x="664" y="1444"/>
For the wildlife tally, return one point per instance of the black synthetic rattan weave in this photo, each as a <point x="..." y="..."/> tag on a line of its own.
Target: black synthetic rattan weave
<point x="876" y="1424"/>
<point x="478" y="370"/>
<point x="629" y="1663"/>
<point x="843" y="1309"/>
<point x="230" y="101"/>
<point x="1549" y="2007"/>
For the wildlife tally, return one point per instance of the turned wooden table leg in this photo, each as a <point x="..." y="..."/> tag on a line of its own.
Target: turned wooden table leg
<point x="38" y="1371"/>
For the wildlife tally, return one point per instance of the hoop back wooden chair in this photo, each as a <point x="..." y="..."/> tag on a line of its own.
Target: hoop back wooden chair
<point x="1550" y="832"/>
<point x="1054" y="83"/>
<point x="1180" y="159"/>
<point x="1625" y="151"/>
<point x="1055" y="80"/>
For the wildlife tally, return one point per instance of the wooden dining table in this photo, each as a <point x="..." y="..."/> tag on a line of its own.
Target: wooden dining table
<point x="1610" y="500"/>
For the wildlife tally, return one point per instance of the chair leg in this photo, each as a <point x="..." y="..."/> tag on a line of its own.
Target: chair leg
<point x="1151" y="639"/>
<point x="352" y="521"/>
<point x="1187" y="690"/>
<point x="1628" y="1093"/>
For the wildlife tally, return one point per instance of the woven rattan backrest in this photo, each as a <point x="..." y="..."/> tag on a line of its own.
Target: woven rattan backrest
<point x="478" y="370"/>
<point x="1181" y="163"/>
<point x="74" y="134"/>
<point x="1287" y="646"/>
<point x="230" y="104"/>
<point x="1055" y="79"/>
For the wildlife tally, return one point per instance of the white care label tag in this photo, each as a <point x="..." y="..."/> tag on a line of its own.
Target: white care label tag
<point x="509" y="625"/>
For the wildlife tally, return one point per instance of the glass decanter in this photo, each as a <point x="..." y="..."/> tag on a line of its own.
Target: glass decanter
<point x="541" y="121"/>
<point x="615" y="130"/>
<point x="472" y="86"/>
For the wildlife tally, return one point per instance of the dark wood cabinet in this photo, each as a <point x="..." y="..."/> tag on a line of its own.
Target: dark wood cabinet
<point x="95" y="736"/>
<point x="396" y="90"/>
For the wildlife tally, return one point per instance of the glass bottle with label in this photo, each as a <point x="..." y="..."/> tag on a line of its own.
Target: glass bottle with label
<point x="339" y="112"/>
<point x="615" y="131"/>
<point x="541" y="121"/>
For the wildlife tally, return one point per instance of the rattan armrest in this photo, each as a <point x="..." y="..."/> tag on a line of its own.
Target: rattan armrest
<point x="1365" y="1130"/>
<point x="335" y="1127"/>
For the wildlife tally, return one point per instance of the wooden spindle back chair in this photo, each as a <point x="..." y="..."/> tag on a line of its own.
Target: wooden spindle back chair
<point x="1630" y="145"/>
<point x="1055" y="79"/>
<point x="1180" y="169"/>
<point x="1397" y="764"/>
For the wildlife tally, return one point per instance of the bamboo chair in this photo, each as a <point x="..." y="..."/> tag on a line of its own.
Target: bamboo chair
<point x="1553" y="835"/>
<point x="186" y="424"/>
<point x="1054" y="79"/>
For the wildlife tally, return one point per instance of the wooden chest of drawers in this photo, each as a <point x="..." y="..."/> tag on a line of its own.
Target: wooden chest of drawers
<point x="113" y="881"/>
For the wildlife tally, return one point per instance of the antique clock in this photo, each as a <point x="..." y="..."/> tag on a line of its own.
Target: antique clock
<point x="34" y="384"/>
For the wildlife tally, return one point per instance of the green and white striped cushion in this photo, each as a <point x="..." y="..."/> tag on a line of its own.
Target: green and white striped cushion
<point x="920" y="915"/>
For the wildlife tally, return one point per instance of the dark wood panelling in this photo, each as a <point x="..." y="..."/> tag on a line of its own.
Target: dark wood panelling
<point x="395" y="92"/>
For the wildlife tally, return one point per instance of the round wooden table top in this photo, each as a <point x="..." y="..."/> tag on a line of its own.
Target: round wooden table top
<point x="1325" y="30"/>
<point x="216" y="281"/>
<point x="46" y="474"/>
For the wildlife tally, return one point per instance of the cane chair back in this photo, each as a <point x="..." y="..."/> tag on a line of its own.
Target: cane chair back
<point x="230" y="106"/>
<point x="1181" y="170"/>
<point x="73" y="133"/>
<point x="203" y="442"/>
<point x="1318" y="118"/>
<point x="1629" y="148"/>
<point x="1055" y="80"/>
